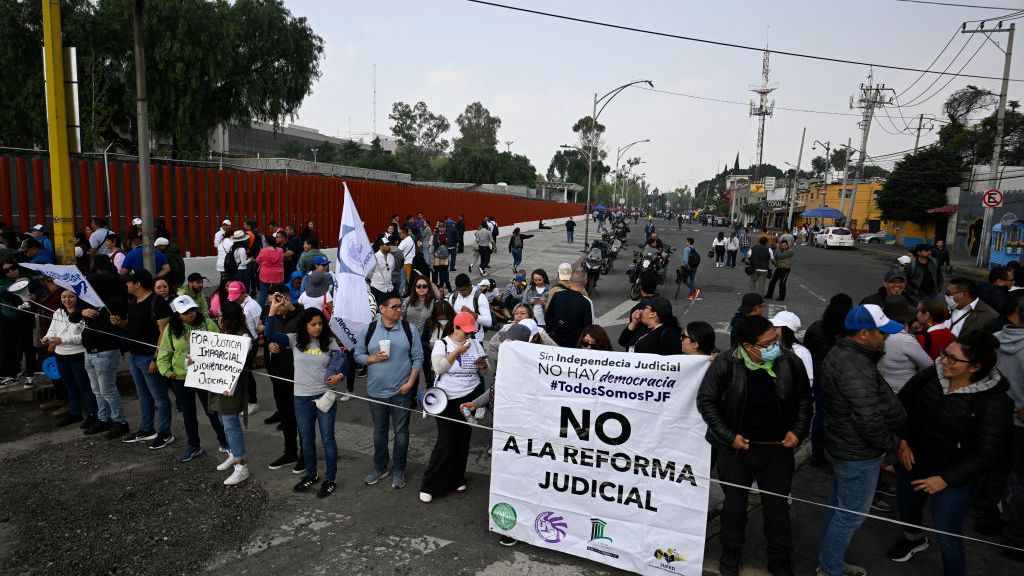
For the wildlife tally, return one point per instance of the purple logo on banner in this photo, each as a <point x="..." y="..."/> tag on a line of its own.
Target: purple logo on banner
<point x="550" y="527"/>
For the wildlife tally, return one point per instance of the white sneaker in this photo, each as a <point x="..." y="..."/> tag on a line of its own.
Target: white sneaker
<point x="344" y="397"/>
<point x="253" y="408"/>
<point x="241" y="474"/>
<point x="231" y="461"/>
<point x="425" y="498"/>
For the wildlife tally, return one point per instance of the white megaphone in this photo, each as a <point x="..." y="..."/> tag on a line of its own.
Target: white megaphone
<point x="20" y="289"/>
<point x="434" y="401"/>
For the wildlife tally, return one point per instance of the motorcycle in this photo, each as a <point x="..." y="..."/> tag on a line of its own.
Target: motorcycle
<point x="646" y="263"/>
<point x="594" y="265"/>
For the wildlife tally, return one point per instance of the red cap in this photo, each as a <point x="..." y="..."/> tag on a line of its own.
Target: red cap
<point x="464" y="321"/>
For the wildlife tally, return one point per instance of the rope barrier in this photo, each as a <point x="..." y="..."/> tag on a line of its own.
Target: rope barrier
<point x="560" y="444"/>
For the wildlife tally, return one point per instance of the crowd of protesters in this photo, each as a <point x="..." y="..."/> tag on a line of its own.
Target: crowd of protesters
<point x="922" y="381"/>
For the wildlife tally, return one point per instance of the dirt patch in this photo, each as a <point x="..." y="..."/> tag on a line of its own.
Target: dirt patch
<point x="90" y="506"/>
<point x="20" y="420"/>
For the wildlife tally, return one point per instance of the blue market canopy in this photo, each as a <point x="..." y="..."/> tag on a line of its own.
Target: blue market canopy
<point x="823" y="212"/>
<point x="600" y="208"/>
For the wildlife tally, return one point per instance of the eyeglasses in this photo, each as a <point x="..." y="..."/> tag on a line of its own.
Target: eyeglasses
<point x="587" y="343"/>
<point x="394" y="306"/>
<point x="766" y="346"/>
<point x="421" y="286"/>
<point x="947" y="356"/>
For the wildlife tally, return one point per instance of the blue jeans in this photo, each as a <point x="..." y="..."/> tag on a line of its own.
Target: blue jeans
<point x="568" y="235"/>
<point x="152" y="390"/>
<point x="101" y="368"/>
<point x="264" y="294"/>
<point x="690" y="279"/>
<point x="307" y="417"/>
<point x="517" y="259"/>
<point x="744" y="252"/>
<point x="452" y="251"/>
<point x="189" y="413"/>
<point x="233" y="430"/>
<point x="730" y="258"/>
<point x="853" y="486"/>
<point x="76" y="382"/>
<point x="817" y="420"/>
<point x="949" y="510"/>
<point x="392" y="413"/>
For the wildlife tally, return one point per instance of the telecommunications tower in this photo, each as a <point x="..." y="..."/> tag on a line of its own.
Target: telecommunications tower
<point x="762" y="108"/>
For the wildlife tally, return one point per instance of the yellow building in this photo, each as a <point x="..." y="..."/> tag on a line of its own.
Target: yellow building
<point x="866" y="215"/>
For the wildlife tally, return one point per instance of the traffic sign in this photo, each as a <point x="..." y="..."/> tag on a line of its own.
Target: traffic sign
<point x="992" y="198"/>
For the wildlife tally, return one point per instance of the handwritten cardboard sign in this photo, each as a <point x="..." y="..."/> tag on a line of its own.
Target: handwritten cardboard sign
<point x="217" y="360"/>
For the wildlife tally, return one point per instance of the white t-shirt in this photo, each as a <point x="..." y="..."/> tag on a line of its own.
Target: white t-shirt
<point x="408" y="248"/>
<point x="380" y="272"/>
<point x="805" y="356"/>
<point x="463" y="376"/>
<point x="307" y="301"/>
<point x="483" y="309"/>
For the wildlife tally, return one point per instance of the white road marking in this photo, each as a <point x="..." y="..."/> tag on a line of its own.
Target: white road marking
<point x="617" y="315"/>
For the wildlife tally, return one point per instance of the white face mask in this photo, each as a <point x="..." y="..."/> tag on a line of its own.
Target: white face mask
<point x="950" y="302"/>
<point x="442" y="323"/>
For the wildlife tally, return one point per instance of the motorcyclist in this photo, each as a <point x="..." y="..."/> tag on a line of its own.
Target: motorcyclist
<point x="656" y="243"/>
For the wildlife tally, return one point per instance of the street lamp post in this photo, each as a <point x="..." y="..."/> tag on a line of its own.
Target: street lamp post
<point x="618" y="158"/>
<point x="603" y="100"/>
<point x="314" y="151"/>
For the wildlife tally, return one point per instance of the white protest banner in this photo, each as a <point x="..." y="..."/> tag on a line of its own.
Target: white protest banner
<point x="352" y="309"/>
<point x="70" y="278"/>
<point x="217" y="360"/>
<point x="601" y="455"/>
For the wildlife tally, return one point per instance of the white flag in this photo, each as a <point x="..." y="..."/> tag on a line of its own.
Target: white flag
<point x="70" y="277"/>
<point x="352" y="310"/>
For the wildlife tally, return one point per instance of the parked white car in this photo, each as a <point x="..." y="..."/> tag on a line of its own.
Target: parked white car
<point x="834" y="237"/>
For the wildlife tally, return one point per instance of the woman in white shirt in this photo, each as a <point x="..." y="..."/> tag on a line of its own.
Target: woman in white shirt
<point x="458" y="360"/>
<point x="64" y="339"/>
<point x="718" y="245"/>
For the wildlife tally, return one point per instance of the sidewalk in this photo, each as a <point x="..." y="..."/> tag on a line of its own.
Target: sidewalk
<point x="962" y="263"/>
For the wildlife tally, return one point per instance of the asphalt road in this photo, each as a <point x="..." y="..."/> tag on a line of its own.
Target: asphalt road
<point x="378" y="530"/>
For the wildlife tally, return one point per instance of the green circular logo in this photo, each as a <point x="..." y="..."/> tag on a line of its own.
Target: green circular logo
<point x="504" y="515"/>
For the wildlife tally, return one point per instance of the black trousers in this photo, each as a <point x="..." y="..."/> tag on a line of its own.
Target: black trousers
<point x="485" y="257"/>
<point x="447" y="468"/>
<point x="285" y="400"/>
<point x="772" y="467"/>
<point x="780" y="276"/>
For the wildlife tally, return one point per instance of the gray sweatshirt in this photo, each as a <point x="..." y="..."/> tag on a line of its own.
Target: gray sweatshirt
<point x="904" y="357"/>
<point x="1011" y="365"/>
<point x="383" y="379"/>
<point x="483" y="237"/>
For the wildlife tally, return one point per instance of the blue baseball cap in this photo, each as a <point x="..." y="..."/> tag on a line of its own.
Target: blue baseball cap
<point x="871" y="317"/>
<point x="320" y="260"/>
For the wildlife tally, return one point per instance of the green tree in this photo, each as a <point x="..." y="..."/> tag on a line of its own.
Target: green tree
<point x="906" y="194"/>
<point x="819" y="164"/>
<point x="838" y="159"/>
<point x="207" y="63"/>
<point x="416" y="126"/>
<point x="478" y="127"/>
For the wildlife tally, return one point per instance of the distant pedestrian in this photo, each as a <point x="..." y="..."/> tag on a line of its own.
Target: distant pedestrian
<point x="759" y="262"/>
<point x="783" y="266"/>
<point x="570" y="228"/>
<point x="484" y="246"/>
<point x="732" y="248"/>
<point x="516" y="245"/>
<point x="718" y="245"/>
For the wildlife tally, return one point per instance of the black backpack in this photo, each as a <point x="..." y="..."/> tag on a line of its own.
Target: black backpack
<point x="373" y="326"/>
<point x="693" y="259"/>
<point x="474" y="296"/>
<point x="230" y="262"/>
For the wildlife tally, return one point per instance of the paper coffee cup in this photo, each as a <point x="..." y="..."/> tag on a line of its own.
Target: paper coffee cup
<point x="385" y="346"/>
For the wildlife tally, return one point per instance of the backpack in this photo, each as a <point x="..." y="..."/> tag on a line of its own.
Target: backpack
<point x="693" y="258"/>
<point x="373" y="326"/>
<point x="441" y="252"/>
<point x="177" y="275"/>
<point x="474" y="296"/>
<point x="230" y="262"/>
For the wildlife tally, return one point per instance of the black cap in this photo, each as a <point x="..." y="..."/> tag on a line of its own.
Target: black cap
<point x="142" y="276"/>
<point x="196" y="276"/>
<point x="750" y="301"/>
<point x="28" y="243"/>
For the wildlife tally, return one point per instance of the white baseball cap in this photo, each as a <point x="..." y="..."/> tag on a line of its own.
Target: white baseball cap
<point x="183" y="304"/>
<point x="136" y="221"/>
<point x="39" y="227"/>
<point x="787" y="319"/>
<point x="226" y="223"/>
<point x="161" y="242"/>
<point x="530" y="324"/>
<point x="484" y="283"/>
<point x="564" y="271"/>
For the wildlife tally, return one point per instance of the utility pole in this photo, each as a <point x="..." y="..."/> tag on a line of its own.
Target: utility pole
<point x="145" y="192"/>
<point x="828" y="155"/>
<point x="762" y="109"/>
<point x="796" y="178"/>
<point x="870" y="98"/>
<point x="997" y="147"/>
<point x="917" y="140"/>
<point x="846" y="172"/>
<point x="57" y="137"/>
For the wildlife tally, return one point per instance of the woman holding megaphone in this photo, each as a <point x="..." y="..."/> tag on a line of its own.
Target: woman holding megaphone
<point x="458" y="361"/>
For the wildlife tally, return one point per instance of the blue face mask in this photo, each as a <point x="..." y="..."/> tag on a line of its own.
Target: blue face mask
<point x="771" y="353"/>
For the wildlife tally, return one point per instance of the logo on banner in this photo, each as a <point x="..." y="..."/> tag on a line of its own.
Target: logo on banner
<point x="504" y="515"/>
<point x="550" y="527"/>
<point x="598" y="541"/>
<point x="665" y="559"/>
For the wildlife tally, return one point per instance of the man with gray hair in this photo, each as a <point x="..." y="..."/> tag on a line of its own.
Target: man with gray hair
<point x="570" y="311"/>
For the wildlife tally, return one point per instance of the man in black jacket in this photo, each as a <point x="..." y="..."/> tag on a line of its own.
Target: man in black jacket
<point x="894" y="283"/>
<point x="570" y="311"/>
<point x="924" y="279"/>
<point x="281" y="370"/>
<point x="756" y="400"/>
<point x="862" y="420"/>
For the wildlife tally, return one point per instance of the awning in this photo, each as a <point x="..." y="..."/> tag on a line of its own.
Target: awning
<point x="947" y="209"/>
<point x="823" y="212"/>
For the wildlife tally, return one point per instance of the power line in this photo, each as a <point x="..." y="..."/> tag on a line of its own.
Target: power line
<point x="910" y="101"/>
<point x="728" y="44"/>
<point x="939" y="91"/>
<point x="955" y="5"/>
<point x="937" y="56"/>
<point x="736" y="102"/>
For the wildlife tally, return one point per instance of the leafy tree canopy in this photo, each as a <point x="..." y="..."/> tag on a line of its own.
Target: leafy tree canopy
<point x="918" y="182"/>
<point x="478" y="127"/>
<point x="416" y="126"/>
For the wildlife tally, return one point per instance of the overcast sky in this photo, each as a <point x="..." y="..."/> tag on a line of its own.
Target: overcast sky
<point x="539" y="74"/>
